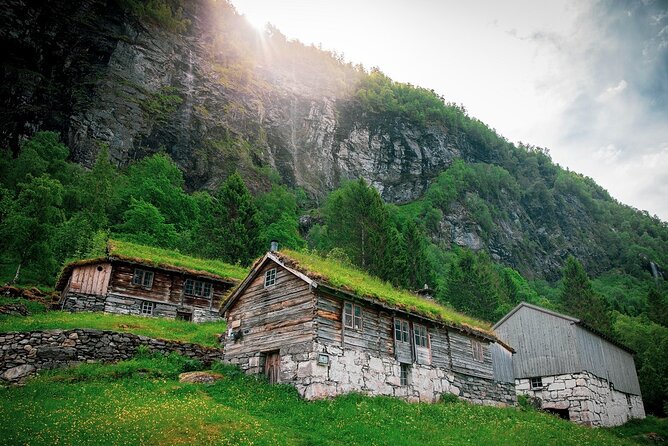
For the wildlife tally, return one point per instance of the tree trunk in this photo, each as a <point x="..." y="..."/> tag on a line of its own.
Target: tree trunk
<point x="16" y="276"/>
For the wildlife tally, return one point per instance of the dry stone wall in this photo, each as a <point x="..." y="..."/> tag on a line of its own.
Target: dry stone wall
<point x="589" y="399"/>
<point x="23" y="354"/>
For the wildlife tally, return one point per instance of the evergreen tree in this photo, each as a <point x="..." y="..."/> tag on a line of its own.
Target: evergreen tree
<point x="277" y="212"/>
<point x="98" y="190"/>
<point x="472" y="286"/>
<point x="413" y="266"/>
<point x="358" y="222"/>
<point x="578" y="298"/>
<point x="234" y="229"/>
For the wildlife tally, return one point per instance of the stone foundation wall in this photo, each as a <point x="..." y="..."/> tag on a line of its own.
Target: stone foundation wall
<point x="75" y="302"/>
<point x="485" y="391"/>
<point x="353" y="370"/>
<point x="113" y="303"/>
<point x="23" y="354"/>
<point x="588" y="399"/>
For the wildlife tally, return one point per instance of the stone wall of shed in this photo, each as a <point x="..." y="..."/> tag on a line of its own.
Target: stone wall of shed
<point x="588" y="399"/>
<point x="23" y="354"/>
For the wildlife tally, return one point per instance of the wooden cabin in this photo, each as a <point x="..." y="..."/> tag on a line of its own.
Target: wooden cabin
<point x="571" y="369"/>
<point x="117" y="285"/>
<point x="295" y="327"/>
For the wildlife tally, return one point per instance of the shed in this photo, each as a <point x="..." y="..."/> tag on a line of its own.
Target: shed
<point x="571" y="368"/>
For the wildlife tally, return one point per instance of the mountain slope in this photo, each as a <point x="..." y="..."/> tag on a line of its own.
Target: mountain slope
<point x="195" y="80"/>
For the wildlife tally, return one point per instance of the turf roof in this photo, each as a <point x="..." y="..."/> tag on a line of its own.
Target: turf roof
<point x="158" y="258"/>
<point x="359" y="283"/>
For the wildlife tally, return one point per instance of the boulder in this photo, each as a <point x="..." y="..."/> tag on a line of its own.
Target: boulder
<point x="200" y="377"/>
<point x="18" y="372"/>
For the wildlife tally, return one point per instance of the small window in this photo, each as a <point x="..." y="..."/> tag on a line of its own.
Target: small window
<point x="478" y="354"/>
<point x="628" y="401"/>
<point x="143" y="278"/>
<point x="536" y="382"/>
<point x="421" y="337"/>
<point x="405" y="374"/>
<point x="197" y="288"/>
<point x="147" y="308"/>
<point x="352" y="316"/>
<point x="401" y="330"/>
<point x="270" y="277"/>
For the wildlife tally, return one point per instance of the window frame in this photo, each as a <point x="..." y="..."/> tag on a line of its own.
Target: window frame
<point x="139" y="276"/>
<point x="421" y="334"/>
<point x="403" y="328"/>
<point x="404" y="374"/>
<point x="351" y="319"/>
<point x="147" y="308"/>
<point x="190" y="287"/>
<point x="477" y="351"/>
<point x="536" y="382"/>
<point x="270" y="278"/>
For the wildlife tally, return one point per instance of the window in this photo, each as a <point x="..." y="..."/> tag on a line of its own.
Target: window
<point x="421" y="338"/>
<point x="142" y="278"/>
<point x="147" y="308"/>
<point x="352" y="316"/>
<point x="476" y="347"/>
<point x="536" y="382"/>
<point x="628" y="401"/>
<point x="401" y="330"/>
<point x="270" y="277"/>
<point x="404" y="374"/>
<point x="197" y="288"/>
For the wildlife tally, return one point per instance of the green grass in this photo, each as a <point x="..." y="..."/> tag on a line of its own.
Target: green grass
<point x="647" y="431"/>
<point x="140" y="402"/>
<point x="32" y="306"/>
<point x="358" y="282"/>
<point x="159" y="256"/>
<point x="204" y="333"/>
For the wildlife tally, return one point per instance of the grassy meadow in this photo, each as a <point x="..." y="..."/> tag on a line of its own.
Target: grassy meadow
<point x="141" y="402"/>
<point x="175" y="330"/>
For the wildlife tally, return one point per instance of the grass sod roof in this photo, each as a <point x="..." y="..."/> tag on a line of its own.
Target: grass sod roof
<point x="158" y="258"/>
<point x="359" y="283"/>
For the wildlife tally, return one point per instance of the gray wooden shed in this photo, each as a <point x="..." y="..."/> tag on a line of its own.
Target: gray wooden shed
<point x="573" y="369"/>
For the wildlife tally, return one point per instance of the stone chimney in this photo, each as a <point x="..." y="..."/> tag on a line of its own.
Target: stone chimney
<point x="273" y="247"/>
<point x="426" y="292"/>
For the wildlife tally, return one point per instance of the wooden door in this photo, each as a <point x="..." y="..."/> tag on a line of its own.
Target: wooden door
<point x="272" y="365"/>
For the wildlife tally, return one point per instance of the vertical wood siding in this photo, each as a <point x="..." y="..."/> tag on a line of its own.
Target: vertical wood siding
<point x="607" y="361"/>
<point x="502" y="363"/>
<point x="544" y="344"/>
<point x="88" y="279"/>
<point x="273" y="317"/>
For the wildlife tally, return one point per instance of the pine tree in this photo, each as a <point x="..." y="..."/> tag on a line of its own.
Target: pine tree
<point x="472" y="286"/>
<point x="358" y="222"/>
<point x="233" y="232"/>
<point x="578" y="298"/>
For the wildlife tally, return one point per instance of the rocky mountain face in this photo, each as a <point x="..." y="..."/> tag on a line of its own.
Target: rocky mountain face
<point x="101" y="76"/>
<point x="217" y="96"/>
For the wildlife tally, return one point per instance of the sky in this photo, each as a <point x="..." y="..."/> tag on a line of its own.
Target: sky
<point x="586" y="79"/>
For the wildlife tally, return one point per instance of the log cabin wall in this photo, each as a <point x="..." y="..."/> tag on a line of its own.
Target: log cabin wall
<point x="276" y="318"/>
<point x="109" y="287"/>
<point x="368" y="359"/>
